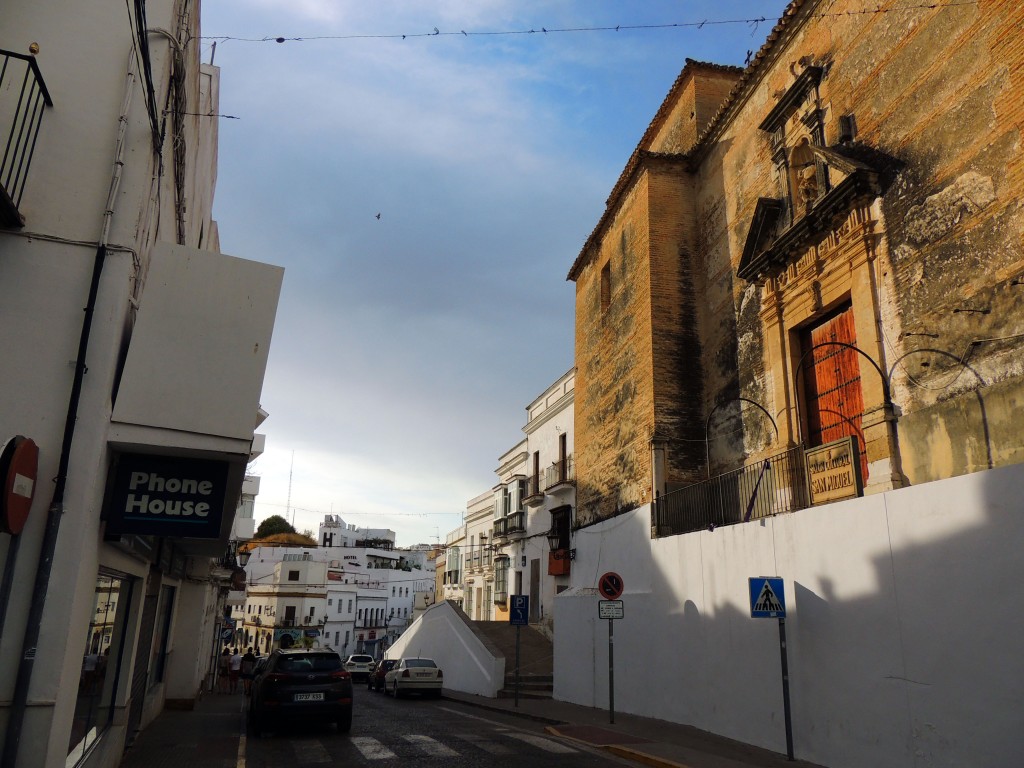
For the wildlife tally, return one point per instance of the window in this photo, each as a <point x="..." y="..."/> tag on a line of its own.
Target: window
<point x="360" y="614"/>
<point x="330" y="601"/>
<point x="501" y="578"/>
<point x="101" y="660"/>
<point x="289" y="615"/>
<point x="606" y="287"/>
<point x="161" y="637"/>
<point x="392" y="591"/>
<point x="349" y="606"/>
<point x="293" y="575"/>
<point x="312" y="610"/>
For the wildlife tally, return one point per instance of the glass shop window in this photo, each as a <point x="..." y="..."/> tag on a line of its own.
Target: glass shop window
<point x="101" y="663"/>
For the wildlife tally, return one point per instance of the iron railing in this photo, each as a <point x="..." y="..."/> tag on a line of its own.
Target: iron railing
<point x="559" y="473"/>
<point x="533" y="488"/>
<point x="515" y="523"/>
<point x="21" y="115"/>
<point x="773" y="486"/>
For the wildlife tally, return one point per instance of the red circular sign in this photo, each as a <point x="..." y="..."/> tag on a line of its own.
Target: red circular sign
<point x="610" y="586"/>
<point x="19" y="465"/>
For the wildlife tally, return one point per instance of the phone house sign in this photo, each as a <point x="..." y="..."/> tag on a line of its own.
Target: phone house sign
<point x="166" y="496"/>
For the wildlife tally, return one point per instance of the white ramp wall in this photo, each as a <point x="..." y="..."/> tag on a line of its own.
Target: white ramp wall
<point x="442" y="634"/>
<point x="904" y="625"/>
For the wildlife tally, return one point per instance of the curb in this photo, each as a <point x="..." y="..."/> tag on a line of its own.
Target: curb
<point x="504" y="711"/>
<point x="643" y="757"/>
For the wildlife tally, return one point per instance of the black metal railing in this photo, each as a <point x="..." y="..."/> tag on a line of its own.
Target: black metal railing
<point x="515" y="523"/>
<point x="21" y="115"/>
<point x="773" y="486"/>
<point x="533" y="488"/>
<point x="559" y="473"/>
<point x="501" y="528"/>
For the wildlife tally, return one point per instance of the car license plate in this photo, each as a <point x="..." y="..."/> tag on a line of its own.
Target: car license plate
<point x="309" y="697"/>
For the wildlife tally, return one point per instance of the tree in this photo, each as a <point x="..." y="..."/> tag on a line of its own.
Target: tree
<point x="273" y="524"/>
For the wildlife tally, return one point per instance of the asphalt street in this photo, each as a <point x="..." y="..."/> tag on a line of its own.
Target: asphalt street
<point x="418" y="731"/>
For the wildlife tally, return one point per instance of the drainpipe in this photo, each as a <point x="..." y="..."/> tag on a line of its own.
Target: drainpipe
<point x="19" y="701"/>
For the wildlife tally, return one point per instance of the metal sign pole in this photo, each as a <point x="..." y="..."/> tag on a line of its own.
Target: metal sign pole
<point x="611" y="672"/>
<point x="518" y="629"/>
<point x="785" y="688"/>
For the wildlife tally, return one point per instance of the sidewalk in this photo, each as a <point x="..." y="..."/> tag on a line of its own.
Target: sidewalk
<point x="640" y="739"/>
<point x="204" y="737"/>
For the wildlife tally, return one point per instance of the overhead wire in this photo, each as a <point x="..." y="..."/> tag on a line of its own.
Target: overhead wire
<point x="753" y="22"/>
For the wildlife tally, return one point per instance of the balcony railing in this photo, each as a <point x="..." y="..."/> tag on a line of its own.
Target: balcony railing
<point x="770" y="487"/>
<point x="21" y="114"/>
<point x="515" y="523"/>
<point x="562" y="472"/>
<point x="534" y="492"/>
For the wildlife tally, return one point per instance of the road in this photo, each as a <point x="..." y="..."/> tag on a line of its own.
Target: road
<point x="419" y="731"/>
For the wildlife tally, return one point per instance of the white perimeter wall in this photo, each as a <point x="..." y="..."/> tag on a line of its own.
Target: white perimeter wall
<point x="441" y="634"/>
<point x="905" y="628"/>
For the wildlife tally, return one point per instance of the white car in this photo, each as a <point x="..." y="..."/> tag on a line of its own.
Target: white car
<point x="414" y="674"/>
<point x="359" y="666"/>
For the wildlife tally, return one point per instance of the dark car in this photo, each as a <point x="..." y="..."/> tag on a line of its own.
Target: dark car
<point x="301" y="683"/>
<point x="375" y="680"/>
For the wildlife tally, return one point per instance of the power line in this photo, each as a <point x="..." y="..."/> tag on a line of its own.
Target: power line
<point x="753" y="22"/>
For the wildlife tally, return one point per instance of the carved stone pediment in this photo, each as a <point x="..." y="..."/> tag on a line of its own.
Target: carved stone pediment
<point x="817" y="186"/>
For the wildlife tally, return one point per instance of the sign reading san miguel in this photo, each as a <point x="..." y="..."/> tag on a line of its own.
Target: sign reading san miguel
<point x="833" y="471"/>
<point x="166" y="496"/>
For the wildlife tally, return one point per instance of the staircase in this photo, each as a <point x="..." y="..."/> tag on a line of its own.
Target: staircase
<point x="536" y="675"/>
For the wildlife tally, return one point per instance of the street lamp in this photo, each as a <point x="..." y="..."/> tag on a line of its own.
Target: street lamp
<point x="554" y="538"/>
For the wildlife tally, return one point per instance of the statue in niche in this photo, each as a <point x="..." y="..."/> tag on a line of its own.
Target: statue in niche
<point x="805" y="172"/>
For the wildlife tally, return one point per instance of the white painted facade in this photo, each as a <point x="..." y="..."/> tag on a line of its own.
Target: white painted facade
<point x="171" y="368"/>
<point x="904" y="626"/>
<point x="503" y="542"/>
<point x="367" y="602"/>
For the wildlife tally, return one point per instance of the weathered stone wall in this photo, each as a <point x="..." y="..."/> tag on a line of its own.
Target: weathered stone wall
<point x="614" y="381"/>
<point x="938" y="291"/>
<point x="936" y="95"/>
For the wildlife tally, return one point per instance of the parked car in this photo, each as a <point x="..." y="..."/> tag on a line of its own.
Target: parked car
<point x="359" y="666"/>
<point x="375" y="680"/>
<point x="413" y="674"/>
<point x="301" y="683"/>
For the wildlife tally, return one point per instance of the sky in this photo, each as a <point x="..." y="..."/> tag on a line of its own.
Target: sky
<point x="427" y="196"/>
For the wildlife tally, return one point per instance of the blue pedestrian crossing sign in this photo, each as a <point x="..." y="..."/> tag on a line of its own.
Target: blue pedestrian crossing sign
<point x="767" y="597"/>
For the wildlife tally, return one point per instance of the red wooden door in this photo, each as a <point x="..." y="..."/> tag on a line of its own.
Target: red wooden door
<point x="832" y="391"/>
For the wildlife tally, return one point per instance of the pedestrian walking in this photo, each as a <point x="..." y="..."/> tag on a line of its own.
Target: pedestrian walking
<point x="224" y="671"/>
<point x="235" y="668"/>
<point x="248" y="667"/>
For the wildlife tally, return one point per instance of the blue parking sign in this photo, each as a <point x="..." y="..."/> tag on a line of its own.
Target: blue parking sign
<point x="519" y="610"/>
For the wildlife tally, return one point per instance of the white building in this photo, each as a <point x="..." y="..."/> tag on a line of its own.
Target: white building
<point x="503" y="546"/>
<point x="366" y="596"/>
<point x="131" y="424"/>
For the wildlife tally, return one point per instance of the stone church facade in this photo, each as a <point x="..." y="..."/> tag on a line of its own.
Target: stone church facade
<point x="824" y="244"/>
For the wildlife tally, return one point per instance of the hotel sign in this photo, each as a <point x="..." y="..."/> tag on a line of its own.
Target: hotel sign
<point x="833" y="471"/>
<point x="166" y="496"/>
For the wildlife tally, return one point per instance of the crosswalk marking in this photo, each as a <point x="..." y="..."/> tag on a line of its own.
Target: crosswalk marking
<point x="541" y="743"/>
<point x="487" y="745"/>
<point x="310" y="751"/>
<point x="430" y="746"/>
<point x="371" y="748"/>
